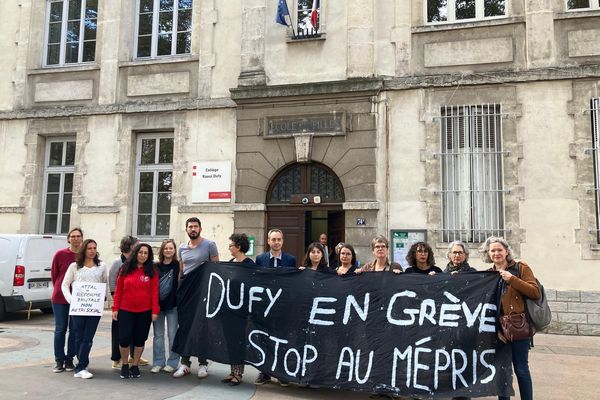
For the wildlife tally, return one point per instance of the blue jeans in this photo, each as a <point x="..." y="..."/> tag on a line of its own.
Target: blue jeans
<point x="158" y="344"/>
<point x="85" y="329"/>
<point x="61" y="323"/>
<point x="520" y="359"/>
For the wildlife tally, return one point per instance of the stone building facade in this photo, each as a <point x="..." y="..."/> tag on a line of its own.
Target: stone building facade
<point x="387" y="115"/>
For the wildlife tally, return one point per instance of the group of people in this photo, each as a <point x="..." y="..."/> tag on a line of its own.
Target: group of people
<point x="144" y="292"/>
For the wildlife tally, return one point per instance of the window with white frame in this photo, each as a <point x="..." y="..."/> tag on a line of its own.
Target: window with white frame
<point x="471" y="171"/>
<point x="595" y="109"/>
<point x="58" y="185"/>
<point x="308" y="15"/>
<point x="154" y="179"/>
<point x="70" y="32"/>
<point x="581" y="5"/>
<point x="441" y="11"/>
<point x="163" y="28"/>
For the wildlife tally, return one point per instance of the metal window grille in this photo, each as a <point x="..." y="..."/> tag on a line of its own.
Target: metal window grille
<point x="305" y="27"/>
<point x="595" y="113"/>
<point x="472" y="172"/>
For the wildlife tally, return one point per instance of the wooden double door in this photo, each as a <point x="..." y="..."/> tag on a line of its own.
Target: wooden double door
<point x="302" y="226"/>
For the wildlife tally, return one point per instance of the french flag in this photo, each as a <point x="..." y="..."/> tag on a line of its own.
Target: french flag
<point x="314" y="14"/>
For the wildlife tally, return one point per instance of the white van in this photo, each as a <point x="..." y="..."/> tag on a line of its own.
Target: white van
<point x="25" y="268"/>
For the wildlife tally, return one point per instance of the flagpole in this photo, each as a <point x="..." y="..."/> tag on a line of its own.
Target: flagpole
<point x="291" y="22"/>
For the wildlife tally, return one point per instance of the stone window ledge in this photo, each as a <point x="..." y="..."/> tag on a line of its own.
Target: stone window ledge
<point x="290" y="39"/>
<point x="577" y="14"/>
<point x="161" y="60"/>
<point x="467" y="25"/>
<point x="64" y="69"/>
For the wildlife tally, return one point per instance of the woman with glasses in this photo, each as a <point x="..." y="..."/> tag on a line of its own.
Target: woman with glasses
<point x="379" y="247"/>
<point x="168" y="274"/>
<point x="238" y="247"/>
<point x="421" y="260"/>
<point x="458" y="256"/>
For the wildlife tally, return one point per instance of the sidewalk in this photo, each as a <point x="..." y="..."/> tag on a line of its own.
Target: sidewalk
<point x="563" y="367"/>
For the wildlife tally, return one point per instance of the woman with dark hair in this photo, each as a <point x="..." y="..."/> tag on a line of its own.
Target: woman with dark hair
<point x="347" y="262"/>
<point x="421" y="260"/>
<point x="315" y="258"/>
<point x="517" y="282"/>
<point x="168" y="275"/>
<point x="238" y="247"/>
<point x="86" y="268"/>
<point x="136" y="305"/>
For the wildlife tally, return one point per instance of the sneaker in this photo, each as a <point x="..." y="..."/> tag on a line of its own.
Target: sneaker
<point x="117" y="364"/>
<point x="262" y="379"/>
<point x="202" y="371"/>
<point x="84" y="374"/>
<point x="168" y="369"/>
<point x="156" y="369"/>
<point x="283" y="383"/>
<point x="182" y="371"/>
<point x="125" y="371"/>
<point x="59" y="367"/>
<point x="141" y="363"/>
<point x="69" y="365"/>
<point x="135" y="371"/>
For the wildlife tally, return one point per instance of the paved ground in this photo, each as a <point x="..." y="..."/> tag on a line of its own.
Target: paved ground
<point x="563" y="367"/>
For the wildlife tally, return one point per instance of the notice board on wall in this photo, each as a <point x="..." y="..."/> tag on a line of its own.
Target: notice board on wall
<point x="401" y="240"/>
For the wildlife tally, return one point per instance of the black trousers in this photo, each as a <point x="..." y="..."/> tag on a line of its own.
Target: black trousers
<point x="134" y="327"/>
<point x="115" y="354"/>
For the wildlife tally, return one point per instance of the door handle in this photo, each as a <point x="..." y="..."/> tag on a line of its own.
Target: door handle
<point x="48" y="269"/>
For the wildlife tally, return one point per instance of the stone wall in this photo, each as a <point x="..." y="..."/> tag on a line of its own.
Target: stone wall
<point x="574" y="312"/>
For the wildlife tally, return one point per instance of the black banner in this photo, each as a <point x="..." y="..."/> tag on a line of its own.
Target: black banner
<point x="408" y="334"/>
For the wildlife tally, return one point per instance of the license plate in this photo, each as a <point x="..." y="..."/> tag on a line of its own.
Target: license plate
<point x="38" y="285"/>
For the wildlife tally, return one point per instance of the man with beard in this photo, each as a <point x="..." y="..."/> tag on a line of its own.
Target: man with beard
<point x="191" y="255"/>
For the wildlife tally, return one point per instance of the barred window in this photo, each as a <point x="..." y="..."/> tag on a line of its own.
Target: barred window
<point x="70" y="32"/>
<point x="308" y="19"/>
<point x="595" y="108"/>
<point x="471" y="172"/>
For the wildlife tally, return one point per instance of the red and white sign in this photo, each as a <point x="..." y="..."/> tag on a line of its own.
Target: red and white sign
<point x="211" y="182"/>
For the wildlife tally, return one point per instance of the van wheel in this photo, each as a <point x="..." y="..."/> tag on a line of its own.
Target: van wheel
<point x="2" y="309"/>
<point x="47" y="310"/>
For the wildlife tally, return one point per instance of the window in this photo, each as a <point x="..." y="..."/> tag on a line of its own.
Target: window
<point x="304" y="180"/>
<point x="308" y="16"/>
<point x="471" y="169"/>
<point x="154" y="179"/>
<point x="70" y="31"/>
<point x="164" y="28"/>
<point x="579" y="5"/>
<point x="439" y="11"/>
<point x="58" y="185"/>
<point x="595" y="109"/>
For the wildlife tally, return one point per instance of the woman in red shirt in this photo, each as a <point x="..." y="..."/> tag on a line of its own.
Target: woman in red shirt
<point x="136" y="305"/>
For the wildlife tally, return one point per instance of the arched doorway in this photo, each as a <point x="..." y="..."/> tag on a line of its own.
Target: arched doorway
<point x="305" y="200"/>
